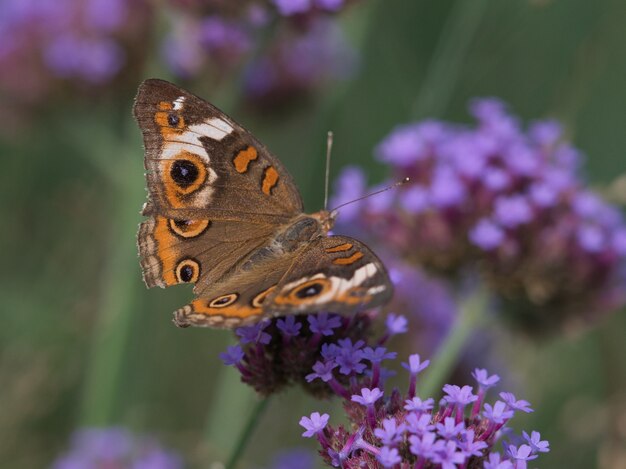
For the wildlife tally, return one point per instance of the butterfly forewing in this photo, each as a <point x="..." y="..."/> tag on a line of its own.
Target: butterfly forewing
<point x="202" y="164"/>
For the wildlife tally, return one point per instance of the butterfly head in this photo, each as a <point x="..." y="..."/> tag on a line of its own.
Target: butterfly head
<point x="326" y="219"/>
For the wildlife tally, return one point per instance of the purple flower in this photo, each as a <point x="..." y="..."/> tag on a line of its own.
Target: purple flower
<point x="233" y="355"/>
<point x="496" y="179"/>
<point x="546" y="132"/>
<point x="416" y="404"/>
<point x="324" y="323"/>
<point x="396" y="324"/>
<point x="92" y="60"/>
<point x="349" y="357"/>
<point x="423" y="446"/>
<point x="254" y="334"/>
<point x="512" y="211"/>
<point x="449" y="429"/>
<point x="289" y="326"/>
<point x="442" y="437"/>
<point x="495" y="462"/>
<point x="483" y="379"/>
<point x="323" y="371"/>
<point x="105" y="15"/>
<point x="115" y="447"/>
<point x="224" y="37"/>
<point x="292" y="7"/>
<point x="404" y="146"/>
<point x="459" y="396"/>
<point x="498" y="413"/>
<point x="415" y="199"/>
<point x="419" y="425"/>
<point x="388" y="457"/>
<point x="469" y="446"/>
<point x="448" y="456"/>
<point x="349" y="186"/>
<point x="314" y="424"/>
<point x="446" y="188"/>
<point x="486" y="235"/>
<point x="543" y="194"/>
<point x="298" y="458"/>
<point x="415" y="364"/>
<point x="378" y="354"/>
<point x="510" y="400"/>
<point x="521" y="454"/>
<point x="535" y="442"/>
<point x="591" y="238"/>
<point x="390" y="433"/>
<point x="368" y="396"/>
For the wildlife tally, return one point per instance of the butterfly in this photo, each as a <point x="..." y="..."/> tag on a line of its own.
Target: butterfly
<point x="224" y="214"/>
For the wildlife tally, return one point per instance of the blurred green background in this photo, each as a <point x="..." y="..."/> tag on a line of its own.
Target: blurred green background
<point x="83" y="341"/>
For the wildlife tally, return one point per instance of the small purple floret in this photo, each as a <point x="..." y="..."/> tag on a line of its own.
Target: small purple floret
<point x="368" y="396"/>
<point x="510" y="400"/>
<point x="314" y="424"/>
<point x="233" y="355"/>
<point x="323" y="323"/>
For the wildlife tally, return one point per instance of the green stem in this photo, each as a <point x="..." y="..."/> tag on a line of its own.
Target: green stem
<point x="242" y="443"/>
<point x="443" y="72"/>
<point x="119" y="285"/>
<point x="470" y="316"/>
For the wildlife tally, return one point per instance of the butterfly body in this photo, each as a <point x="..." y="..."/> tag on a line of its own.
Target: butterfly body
<point x="224" y="214"/>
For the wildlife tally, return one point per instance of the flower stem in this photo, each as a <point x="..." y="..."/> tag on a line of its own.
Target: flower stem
<point x="471" y="313"/>
<point x="119" y="283"/>
<point x="450" y="51"/>
<point x="242" y="443"/>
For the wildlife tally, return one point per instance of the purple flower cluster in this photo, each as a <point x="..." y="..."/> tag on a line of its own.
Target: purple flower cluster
<point x="284" y="47"/>
<point x="115" y="448"/>
<point x="69" y="39"/>
<point x="282" y="352"/>
<point x="500" y="197"/>
<point x="395" y="431"/>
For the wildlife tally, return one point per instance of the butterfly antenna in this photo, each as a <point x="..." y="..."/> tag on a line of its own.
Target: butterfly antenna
<point x="392" y="186"/>
<point x="329" y="147"/>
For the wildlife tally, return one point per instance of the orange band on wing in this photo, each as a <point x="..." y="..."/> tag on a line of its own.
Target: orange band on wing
<point x="348" y="260"/>
<point x="243" y="159"/>
<point x="340" y="248"/>
<point x="270" y="179"/>
<point x="164" y="251"/>
<point x="201" y="306"/>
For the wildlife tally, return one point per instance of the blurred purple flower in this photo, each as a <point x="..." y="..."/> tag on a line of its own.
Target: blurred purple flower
<point x="496" y="196"/>
<point x="115" y="447"/>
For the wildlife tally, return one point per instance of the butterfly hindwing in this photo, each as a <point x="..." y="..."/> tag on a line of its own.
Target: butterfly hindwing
<point x="202" y="164"/>
<point x="199" y="251"/>
<point x="334" y="274"/>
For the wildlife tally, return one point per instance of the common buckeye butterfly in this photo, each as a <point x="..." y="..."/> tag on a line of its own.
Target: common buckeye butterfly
<point x="225" y="215"/>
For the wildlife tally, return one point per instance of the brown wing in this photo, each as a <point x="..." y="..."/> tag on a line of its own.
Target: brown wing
<point x="334" y="274"/>
<point x="203" y="165"/>
<point x="192" y="251"/>
<point x="215" y="192"/>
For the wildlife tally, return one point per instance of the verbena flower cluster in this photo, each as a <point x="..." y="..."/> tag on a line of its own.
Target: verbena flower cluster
<point x="277" y="353"/>
<point x="115" y="447"/>
<point x="272" y="49"/>
<point x="84" y="40"/>
<point x="506" y="199"/>
<point x="286" y="47"/>
<point x="392" y="430"/>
